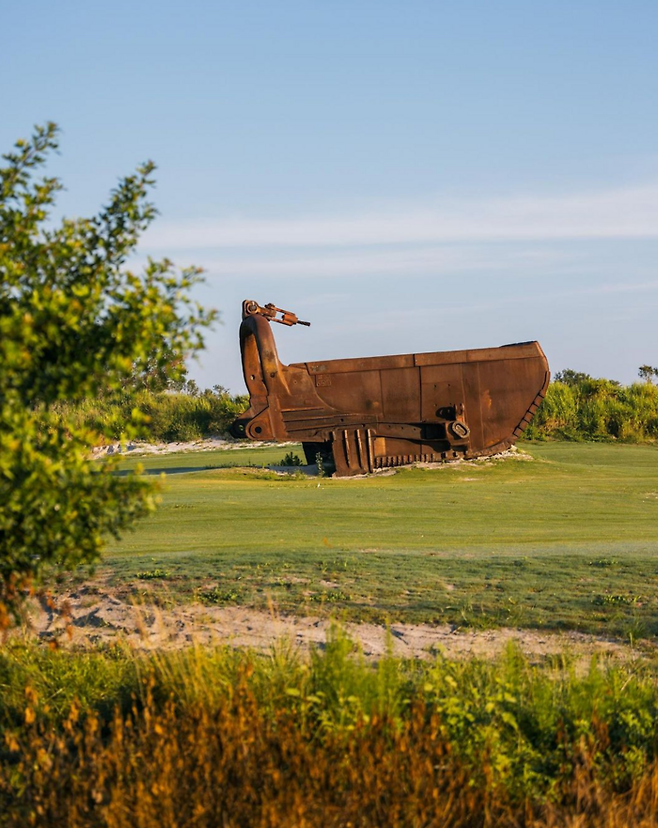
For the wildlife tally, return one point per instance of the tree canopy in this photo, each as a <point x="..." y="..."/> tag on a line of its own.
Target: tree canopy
<point x="75" y="321"/>
<point x="647" y="372"/>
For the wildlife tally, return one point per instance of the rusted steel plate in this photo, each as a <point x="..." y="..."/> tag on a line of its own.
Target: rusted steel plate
<point x="376" y="412"/>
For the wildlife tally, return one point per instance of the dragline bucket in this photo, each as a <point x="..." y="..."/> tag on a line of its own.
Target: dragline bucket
<point x="375" y="412"/>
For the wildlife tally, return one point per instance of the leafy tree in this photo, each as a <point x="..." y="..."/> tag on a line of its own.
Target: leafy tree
<point x="570" y="377"/>
<point x="647" y="373"/>
<point x="75" y="322"/>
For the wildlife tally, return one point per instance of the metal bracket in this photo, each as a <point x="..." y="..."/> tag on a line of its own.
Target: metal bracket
<point x="270" y="312"/>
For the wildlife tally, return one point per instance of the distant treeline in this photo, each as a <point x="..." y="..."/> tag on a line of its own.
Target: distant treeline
<point x="579" y="407"/>
<point x="576" y="407"/>
<point x="159" y="416"/>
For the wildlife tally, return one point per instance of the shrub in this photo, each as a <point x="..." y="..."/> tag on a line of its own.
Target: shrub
<point x="74" y="323"/>
<point x="584" y="408"/>
<point x="168" y="416"/>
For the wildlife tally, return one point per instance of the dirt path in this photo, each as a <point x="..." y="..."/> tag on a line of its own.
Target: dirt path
<point x="102" y="619"/>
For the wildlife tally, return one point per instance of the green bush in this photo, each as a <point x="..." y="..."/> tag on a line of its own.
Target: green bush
<point x="74" y="324"/>
<point x="168" y="416"/>
<point x="578" y="407"/>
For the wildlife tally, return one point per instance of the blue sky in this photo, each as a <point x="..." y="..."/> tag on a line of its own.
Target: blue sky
<point x="409" y="176"/>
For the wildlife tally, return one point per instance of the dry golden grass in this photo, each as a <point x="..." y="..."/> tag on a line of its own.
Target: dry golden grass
<point x="214" y="737"/>
<point x="235" y="763"/>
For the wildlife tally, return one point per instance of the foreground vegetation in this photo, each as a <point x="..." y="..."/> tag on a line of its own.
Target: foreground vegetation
<point x="75" y="324"/>
<point x="216" y="737"/>
<point x="567" y="540"/>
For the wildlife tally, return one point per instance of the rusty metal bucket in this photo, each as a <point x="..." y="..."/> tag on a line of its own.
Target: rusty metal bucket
<point x="375" y="412"/>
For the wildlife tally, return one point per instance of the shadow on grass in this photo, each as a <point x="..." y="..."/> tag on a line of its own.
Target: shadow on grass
<point x="308" y="471"/>
<point x="169" y="470"/>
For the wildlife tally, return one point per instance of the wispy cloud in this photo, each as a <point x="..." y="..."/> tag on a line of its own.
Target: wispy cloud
<point x="630" y="212"/>
<point x="401" y="317"/>
<point x="337" y="262"/>
<point x="510" y="259"/>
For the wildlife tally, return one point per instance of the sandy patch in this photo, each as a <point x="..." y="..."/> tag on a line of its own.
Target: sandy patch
<point x="208" y="444"/>
<point x="512" y="453"/>
<point x="104" y="618"/>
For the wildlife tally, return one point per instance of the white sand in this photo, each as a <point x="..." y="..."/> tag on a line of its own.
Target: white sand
<point x="104" y="618"/>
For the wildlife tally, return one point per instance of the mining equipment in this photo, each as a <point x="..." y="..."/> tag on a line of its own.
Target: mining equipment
<point x="370" y="413"/>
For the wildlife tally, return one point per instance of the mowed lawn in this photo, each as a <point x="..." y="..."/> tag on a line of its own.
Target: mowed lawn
<point x="567" y="540"/>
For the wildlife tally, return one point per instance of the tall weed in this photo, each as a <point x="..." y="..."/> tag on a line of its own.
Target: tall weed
<point x="223" y="737"/>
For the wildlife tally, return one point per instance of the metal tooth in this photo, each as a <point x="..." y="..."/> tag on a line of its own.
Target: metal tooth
<point x="369" y="442"/>
<point x="346" y="445"/>
<point x="359" y="447"/>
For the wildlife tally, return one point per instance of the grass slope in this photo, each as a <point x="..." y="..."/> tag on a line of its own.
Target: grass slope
<point x="569" y="540"/>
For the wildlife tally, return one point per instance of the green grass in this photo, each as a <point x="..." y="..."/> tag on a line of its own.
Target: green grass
<point x="257" y="457"/>
<point x="567" y="541"/>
